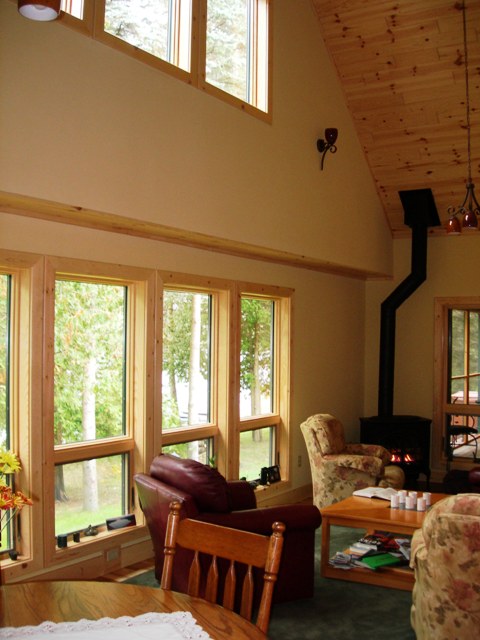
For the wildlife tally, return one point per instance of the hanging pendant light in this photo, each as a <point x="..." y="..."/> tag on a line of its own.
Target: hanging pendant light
<point x="466" y="215"/>
<point x="43" y="11"/>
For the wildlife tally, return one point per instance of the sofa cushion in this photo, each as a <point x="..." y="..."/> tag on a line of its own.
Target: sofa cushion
<point x="207" y="486"/>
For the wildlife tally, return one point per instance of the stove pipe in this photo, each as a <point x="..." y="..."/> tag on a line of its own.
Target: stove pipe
<point x="420" y="213"/>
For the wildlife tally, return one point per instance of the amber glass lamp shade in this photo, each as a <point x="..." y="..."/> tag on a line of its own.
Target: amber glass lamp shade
<point x="453" y="226"/>
<point x="470" y="220"/>
<point x="42" y="10"/>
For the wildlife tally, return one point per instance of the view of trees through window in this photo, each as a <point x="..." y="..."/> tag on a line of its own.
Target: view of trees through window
<point x="256" y="383"/>
<point x="89" y="398"/>
<point x="159" y="27"/>
<point x="228" y="46"/>
<point x="186" y="383"/>
<point x="231" y="51"/>
<point x="256" y="357"/>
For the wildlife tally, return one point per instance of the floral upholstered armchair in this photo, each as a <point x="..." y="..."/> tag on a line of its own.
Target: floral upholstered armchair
<point x="339" y="469"/>
<point x="446" y="559"/>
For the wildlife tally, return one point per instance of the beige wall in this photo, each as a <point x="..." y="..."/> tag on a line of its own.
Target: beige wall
<point x="86" y="125"/>
<point x="452" y="270"/>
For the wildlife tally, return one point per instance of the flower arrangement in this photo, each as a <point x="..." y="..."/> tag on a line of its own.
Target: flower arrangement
<point x="10" y="501"/>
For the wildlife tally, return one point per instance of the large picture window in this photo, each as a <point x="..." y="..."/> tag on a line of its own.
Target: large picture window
<point x="98" y="401"/>
<point x="101" y="367"/>
<point x="89" y="396"/>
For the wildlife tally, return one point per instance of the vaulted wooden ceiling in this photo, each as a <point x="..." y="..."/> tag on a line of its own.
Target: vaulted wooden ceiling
<point x="402" y="67"/>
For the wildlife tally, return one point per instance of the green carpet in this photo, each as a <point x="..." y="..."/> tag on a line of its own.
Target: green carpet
<point x="339" y="610"/>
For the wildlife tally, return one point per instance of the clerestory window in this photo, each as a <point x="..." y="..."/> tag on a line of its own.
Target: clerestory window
<point x="220" y="46"/>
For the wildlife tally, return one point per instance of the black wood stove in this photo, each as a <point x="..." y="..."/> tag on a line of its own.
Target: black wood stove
<point x="406" y="437"/>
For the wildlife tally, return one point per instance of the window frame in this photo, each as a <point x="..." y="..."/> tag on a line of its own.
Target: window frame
<point x="260" y="72"/>
<point x="442" y="408"/>
<point x="279" y="418"/>
<point x="221" y="365"/>
<point x="137" y="443"/>
<point x="25" y="411"/>
<point x="226" y="425"/>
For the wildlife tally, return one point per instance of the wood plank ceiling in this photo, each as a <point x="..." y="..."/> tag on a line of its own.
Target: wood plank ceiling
<point x="401" y="64"/>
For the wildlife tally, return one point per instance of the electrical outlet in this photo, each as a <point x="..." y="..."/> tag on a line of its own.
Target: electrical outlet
<point x="299" y="461"/>
<point x="112" y="554"/>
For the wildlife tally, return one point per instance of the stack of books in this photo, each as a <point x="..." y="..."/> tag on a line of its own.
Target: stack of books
<point x="373" y="551"/>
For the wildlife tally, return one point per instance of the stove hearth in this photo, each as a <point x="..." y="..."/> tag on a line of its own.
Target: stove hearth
<point x="408" y="440"/>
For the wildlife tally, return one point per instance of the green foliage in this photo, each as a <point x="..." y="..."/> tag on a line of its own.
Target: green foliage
<point x="89" y="329"/>
<point x="256" y="344"/>
<point x="178" y="310"/>
<point x="144" y="24"/>
<point x="227" y="59"/>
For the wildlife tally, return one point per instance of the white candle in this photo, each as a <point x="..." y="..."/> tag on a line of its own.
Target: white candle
<point x="413" y="496"/>
<point x="402" y="494"/>
<point x="428" y="498"/>
<point x="409" y="502"/>
<point x="421" y="504"/>
<point x="394" y="501"/>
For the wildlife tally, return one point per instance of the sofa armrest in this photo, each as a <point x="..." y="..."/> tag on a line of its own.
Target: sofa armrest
<point x="241" y="495"/>
<point x="295" y="517"/>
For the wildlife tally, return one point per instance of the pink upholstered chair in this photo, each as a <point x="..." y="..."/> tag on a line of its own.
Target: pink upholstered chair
<point x="446" y="559"/>
<point x="339" y="469"/>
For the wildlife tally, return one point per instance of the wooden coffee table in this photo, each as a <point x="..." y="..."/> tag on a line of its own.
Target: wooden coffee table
<point x="370" y="514"/>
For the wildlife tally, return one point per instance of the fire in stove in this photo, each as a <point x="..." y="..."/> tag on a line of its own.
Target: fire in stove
<point x="400" y="457"/>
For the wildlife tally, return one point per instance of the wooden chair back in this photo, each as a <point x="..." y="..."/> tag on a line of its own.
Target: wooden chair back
<point x="234" y="545"/>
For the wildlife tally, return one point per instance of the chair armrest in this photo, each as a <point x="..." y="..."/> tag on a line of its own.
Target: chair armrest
<point x="368" y="464"/>
<point x="418" y="547"/>
<point x="375" y="450"/>
<point x="241" y="495"/>
<point x="295" y="517"/>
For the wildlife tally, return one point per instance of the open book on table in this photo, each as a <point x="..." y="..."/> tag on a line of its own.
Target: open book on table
<point x="385" y="493"/>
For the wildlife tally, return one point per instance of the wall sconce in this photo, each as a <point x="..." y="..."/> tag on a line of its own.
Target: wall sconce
<point x="328" y="144"/>
<point x="42" y="10"/>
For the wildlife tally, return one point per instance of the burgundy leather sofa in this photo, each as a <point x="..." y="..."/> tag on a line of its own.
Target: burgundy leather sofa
<point x="206" y="495"/>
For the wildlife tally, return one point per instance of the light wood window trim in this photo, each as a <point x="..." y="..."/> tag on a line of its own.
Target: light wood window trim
<point x="280" y="417"/>
<point x="221" y="365"/>
<point x="138" y="441"/>
<point x="26" y="399"/>
<point x="261" y="6"/>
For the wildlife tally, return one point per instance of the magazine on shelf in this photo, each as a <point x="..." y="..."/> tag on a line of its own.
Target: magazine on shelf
<point x="385" y="493"/>
<point x="378" y="560"/>
<point x="378" y="541"/>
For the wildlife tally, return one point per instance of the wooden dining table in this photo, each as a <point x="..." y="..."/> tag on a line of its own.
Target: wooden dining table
<point x="32" y="603"/>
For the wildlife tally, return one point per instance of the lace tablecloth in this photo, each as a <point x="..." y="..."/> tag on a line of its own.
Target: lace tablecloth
<point x="149" y="626"/>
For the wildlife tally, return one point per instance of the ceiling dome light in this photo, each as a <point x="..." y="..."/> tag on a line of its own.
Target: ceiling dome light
<point x="42" y="11"/>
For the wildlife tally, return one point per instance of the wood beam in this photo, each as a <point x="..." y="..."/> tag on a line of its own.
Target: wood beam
<point x="82" y="217"/>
